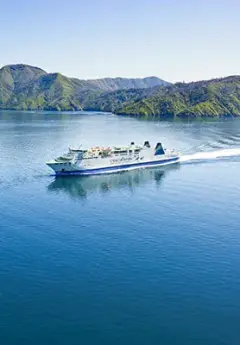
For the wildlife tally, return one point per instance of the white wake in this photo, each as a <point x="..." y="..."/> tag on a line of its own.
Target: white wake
<point x="211" y="155"/>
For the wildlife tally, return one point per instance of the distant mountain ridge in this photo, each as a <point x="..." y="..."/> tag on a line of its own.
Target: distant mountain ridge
<point x="28" y="87"/>
<point x="113" y="84"/>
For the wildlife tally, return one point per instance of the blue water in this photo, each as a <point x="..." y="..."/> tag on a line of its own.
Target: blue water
<point x="143" y="257"/>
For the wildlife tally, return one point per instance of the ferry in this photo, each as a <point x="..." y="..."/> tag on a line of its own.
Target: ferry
<point x="102" y="160"/>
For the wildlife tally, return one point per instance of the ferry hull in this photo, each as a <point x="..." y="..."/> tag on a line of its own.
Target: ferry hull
<point x="111" y="169"/>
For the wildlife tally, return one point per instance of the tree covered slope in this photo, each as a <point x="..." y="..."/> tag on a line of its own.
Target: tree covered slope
<point x="217" y="97"/>
<point x="27" y="87"/>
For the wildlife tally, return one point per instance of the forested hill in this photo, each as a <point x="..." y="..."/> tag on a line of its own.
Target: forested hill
<point x="216" y="97"/>
<point x="28" y="87"/>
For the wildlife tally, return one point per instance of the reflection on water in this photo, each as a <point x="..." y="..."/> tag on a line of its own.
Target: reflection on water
<point x="81" y="186"/>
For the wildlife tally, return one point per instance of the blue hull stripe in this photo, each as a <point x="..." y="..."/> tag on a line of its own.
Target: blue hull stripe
<point x="118" y="167"/>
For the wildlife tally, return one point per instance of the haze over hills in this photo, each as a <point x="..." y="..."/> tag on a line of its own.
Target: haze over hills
<point x="28" y="88"/>
<point x="112" y="84"/>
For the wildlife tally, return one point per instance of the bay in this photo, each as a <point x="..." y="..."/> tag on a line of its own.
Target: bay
<point x="142" y="257"/>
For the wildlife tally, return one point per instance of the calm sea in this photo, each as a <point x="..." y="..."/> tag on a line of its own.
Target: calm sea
<point x="145" y="257"/>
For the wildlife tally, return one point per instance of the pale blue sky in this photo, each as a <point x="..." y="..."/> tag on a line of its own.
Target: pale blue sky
<point x="174" y="39"/>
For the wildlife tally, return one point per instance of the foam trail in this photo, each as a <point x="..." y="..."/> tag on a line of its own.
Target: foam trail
<point x="211" y="155"/>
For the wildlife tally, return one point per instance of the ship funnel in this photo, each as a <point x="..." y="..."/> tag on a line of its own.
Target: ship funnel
<point x="159" y="149"/>
<point x="146" y="144"/>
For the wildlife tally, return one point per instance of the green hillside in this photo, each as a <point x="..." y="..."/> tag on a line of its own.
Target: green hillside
<point x="111" y="101"/>
<point x="50" y="91"/>
<point x="15" y="77"/>
<point x="217" y="97"/>
<point x="27" y="87"/>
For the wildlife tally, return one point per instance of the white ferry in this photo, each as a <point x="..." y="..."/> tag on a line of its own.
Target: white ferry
<point x="99" y="160"/>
